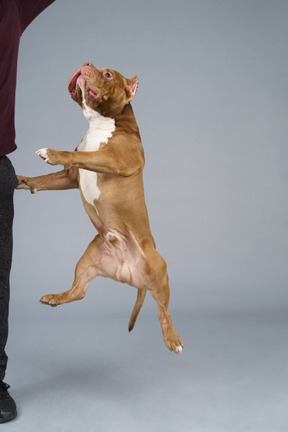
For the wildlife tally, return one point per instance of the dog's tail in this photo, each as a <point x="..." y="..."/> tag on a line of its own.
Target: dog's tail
<point x="139" y="302"/>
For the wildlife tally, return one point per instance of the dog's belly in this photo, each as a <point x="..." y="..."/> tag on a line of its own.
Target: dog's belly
<point x="98" y="134"/>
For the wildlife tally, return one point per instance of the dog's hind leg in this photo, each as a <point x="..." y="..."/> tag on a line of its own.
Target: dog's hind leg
<point x="159" y="288"/>
<point x="139" y="302"/>
<point x="87" y="269"/>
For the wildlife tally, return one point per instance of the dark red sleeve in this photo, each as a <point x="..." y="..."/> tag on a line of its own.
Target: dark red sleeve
<point x="29" y="9"/>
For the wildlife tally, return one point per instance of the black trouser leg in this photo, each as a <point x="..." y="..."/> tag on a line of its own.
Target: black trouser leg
<point x="8" y="182"/>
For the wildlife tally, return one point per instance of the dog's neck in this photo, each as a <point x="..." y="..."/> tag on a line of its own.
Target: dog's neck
<point x="96" y="120"/>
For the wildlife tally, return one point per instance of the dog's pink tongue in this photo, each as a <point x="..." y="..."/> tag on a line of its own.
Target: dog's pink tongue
<point x="73" y="80"/>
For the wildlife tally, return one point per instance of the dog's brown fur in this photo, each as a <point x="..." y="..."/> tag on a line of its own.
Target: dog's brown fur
<point x="124" y="249"/>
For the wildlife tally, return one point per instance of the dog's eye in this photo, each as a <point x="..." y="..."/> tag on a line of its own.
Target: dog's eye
<point x="108" y="75"/>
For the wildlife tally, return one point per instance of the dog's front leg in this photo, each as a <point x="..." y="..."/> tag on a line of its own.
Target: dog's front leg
<point x="118" y="162"/>
<point x="62" y="180"/>
<point x="55" y="157"/>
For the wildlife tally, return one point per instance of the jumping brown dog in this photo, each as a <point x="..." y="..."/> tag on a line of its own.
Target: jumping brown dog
<point x="107" y="168"/>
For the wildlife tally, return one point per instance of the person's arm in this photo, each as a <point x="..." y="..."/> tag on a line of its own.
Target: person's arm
<point x="30" y="9"/>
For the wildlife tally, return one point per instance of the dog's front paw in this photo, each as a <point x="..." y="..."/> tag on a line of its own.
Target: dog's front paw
<point x="43" y="153"/>
<point x="48" y="155"/>
<point x="50" y="300"/>
<point x="25" y="183"/>
<point x="22" y="183"/>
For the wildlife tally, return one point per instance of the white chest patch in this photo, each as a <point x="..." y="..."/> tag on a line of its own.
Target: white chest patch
<point x="100" y="130"/>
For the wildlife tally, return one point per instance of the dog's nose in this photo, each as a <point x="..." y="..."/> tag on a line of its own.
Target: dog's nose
<point x="88" y="64"/>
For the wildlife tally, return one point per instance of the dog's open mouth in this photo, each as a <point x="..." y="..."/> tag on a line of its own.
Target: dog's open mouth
<point x="78" y="79"/>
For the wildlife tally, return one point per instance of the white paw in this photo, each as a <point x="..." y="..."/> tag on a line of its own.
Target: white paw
<point x="43" y="154"/>
<point x="23" y="186"/>
<point x="179" y="349"/>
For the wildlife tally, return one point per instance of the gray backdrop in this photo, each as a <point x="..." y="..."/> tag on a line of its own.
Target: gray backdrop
<point x="212" y="112"/>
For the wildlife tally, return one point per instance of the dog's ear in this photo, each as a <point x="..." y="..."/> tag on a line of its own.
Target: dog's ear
<point x="132" y="85"/>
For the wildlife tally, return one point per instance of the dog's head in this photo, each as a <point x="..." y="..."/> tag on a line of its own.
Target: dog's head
<point x="103" y="90"/>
